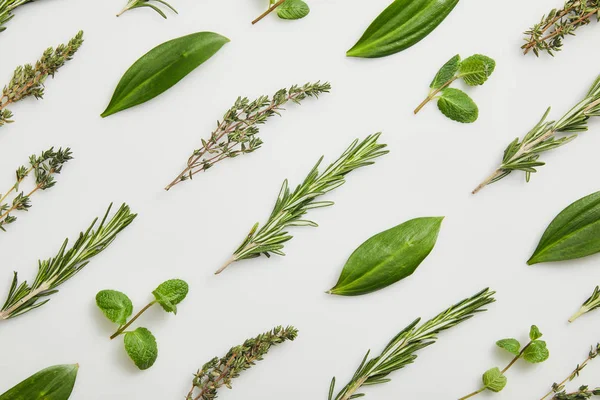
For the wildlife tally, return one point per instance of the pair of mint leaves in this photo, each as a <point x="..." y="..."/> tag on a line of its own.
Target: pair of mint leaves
<point x="534" y="352"/>
<point x="140" y="344"/>
<point x="292" y="9"/>
<point x="454" y="103"/>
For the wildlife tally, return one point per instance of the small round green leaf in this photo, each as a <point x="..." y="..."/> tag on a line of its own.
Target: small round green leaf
<point x="293" y="9"/>
<point x="53" y="383"/>
<point x="534" y="333"/>
<point x="115" y="305"/>
<point x="511" y="345"/>
<point x="475" y="70"/>
<point x="446" y="73"/>
<point x="170" y="293"/>
<point x="457" y="105"/>
<point x="388" y="257"/>
<point x="141" y="347"/>
<point x="536" y="352"/>
<point x="494" y="380"/>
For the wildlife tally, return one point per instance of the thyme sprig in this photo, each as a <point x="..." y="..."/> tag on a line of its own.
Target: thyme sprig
<point x="590" y="304"/>
<point x="237" y="133"/>
<point x="55" y="271"/>
<point x="6" y="10"/>
<point x="131" y="4"/>
<point x="558" y="389"/>
<point x="523" y="155"/>
<point x="290" y="207"/>
<point x="44" y="167"/>
<point x="29" y="80"/>
<point x="220" y="372"/>
<point x="401" y="350"/>
<point x="548" y="34"/>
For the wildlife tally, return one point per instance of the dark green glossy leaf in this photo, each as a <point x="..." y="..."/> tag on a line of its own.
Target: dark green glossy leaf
<point x="402" y="24"/>
<point x="53" y="383"/>
<point x="446" y="73"/>
<point x="162" y="67"/>
<point x="141" y="347"/>
<point x="494" y="380"/>
<point x="457" y="105"/>
<point x="293" y="9"/>
<point x="170" y="293"/>
<point x="116" y="306"/>
<point x="388" y="257"/>
<point x="574" y="233"/>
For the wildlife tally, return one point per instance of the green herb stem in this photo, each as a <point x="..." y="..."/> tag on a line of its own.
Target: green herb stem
<point x="475" y="393"/>
<point x="269" y="11"/>
<point x="592" y="303"/>
<point x="558" y="387"/>
<point x="132" y="320"/>
<point x="433" y="93"/>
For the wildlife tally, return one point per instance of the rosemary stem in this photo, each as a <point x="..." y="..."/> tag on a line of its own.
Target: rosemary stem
<point x="230" y="261"/>
<point x="132" y="320"/>
<point x="578" y="314"/>
<point x="487" y="181"/>
<point x="269" y="11"/>
<point x="472" y="394"/>
<point x="6" y="313"/>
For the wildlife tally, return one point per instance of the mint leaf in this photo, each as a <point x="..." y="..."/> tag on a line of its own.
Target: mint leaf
<point x="534" y="333"/>
<point x="457" y="105"/>
<point x="115" y="305"/>
<point x="446" y="73"/>
<point x="293" y="9"/>
<point x="475" y="70"/>
<point x="141" y="347"/>
<point x="511" y="345"/>
<point x="170" y="293"/>
<point x="494" y="380"/>
<point x="536" y="352"/>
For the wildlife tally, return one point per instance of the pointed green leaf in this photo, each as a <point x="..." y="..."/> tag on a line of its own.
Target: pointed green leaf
<point x="511" y="345"/>
<point x="536" y="352"/>
<point x="475" y="70"/>
<point x="170" y="293"/>
<point x="53" y="383"/>
<point x="446" y="73"/>
<point x="574" y="233"/>
<point x="293" y="9"/>
<point x="162" y="67"/>
<point x="494" y="380"/>
<point x="115" y="305"/>
<point x="388" y="257"/>
<point x="457" y="105"/>
<point x="534" y="333"/>
<point x="401" y="25"/>
<point x="141" y="347"/>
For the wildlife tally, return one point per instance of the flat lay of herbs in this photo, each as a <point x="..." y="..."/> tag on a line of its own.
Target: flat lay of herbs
<point x="380" y="262"/>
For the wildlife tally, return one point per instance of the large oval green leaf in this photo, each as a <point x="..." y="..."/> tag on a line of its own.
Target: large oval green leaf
<point x="141" y="347"/>
<point x="162" y="67"/>
<point x="53" y="383"/>
<point x="401" y="25"/>
<point x="574" y="233"/>
<point x="388" y="257"/>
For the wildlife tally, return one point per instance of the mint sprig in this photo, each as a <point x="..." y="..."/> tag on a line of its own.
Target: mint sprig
<point x="140" y="344"/>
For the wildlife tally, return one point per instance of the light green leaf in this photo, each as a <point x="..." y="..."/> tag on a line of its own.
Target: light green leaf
<point x="534" y="333"/>
<point x="457" y="105"/>
<point x="536" y="352"/>
<point x="475" y="70"/>
<point x="115" y="305"/>
<point x="511" y="345"/>
<point x="53" y="383"/>
<point x="446" y="73"/>
<point x="494" y="380"/>
<point x="141" y="347"/>
<point x="293" y="9"/>
<point x="170" y="293"/>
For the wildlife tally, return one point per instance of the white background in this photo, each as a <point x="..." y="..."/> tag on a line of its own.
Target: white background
<point x="433" y="165"/>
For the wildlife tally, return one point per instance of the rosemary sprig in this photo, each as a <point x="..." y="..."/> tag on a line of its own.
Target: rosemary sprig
<point x="290" y="207"/>
<point x="400" y="352"/>
<point x="6" y="10"/>
<point x="590" y="304"/>
<point x="523" y="155"/>
<point x="558" y="389"/>
<point x="53" y="272"/>
<point x="147" y="3"/>
<point x="548" y="34"/>
<point x="29" y="80"/>
<point x="237" y="133"/>
<point x="219" y="372"/>
<point x="44" y="167"/>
